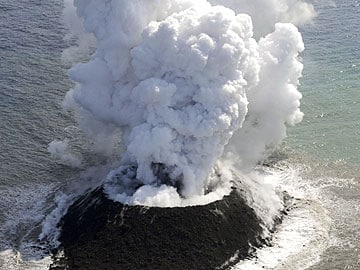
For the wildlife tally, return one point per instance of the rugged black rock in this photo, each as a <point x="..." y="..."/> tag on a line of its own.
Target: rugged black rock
<point x="98" y="233"/>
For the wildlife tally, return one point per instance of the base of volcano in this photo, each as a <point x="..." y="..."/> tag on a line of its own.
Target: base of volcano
<point x="98" y="234"/>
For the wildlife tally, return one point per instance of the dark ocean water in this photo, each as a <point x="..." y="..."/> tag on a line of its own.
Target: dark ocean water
<point x="324" y="150"/>
<point x="33" y="83"/>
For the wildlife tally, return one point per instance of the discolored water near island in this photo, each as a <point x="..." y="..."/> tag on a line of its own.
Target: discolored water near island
<point x="98" y="233"/>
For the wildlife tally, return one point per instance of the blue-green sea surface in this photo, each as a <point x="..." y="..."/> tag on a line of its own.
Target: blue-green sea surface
<point x="323" y="151"/>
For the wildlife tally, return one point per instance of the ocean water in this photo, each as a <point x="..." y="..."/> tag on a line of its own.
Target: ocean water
<point x="321" y="168"/>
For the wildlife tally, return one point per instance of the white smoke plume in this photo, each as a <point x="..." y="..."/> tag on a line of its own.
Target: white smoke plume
<point x="60" y="151"/>
<point x="184" y="80"/>
<point x="81" y="42"/>
<point x="274" y="102"/>
<point x="266" y="13"/>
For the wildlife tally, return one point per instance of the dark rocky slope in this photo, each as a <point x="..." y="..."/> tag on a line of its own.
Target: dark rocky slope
<point x="100" y="234"/>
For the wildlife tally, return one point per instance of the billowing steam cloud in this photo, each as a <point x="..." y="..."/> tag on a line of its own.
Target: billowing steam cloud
<point x="183" y="80"/>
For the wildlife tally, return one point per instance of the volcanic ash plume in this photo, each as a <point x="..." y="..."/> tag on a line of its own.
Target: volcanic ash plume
<point x="180" y="79"/>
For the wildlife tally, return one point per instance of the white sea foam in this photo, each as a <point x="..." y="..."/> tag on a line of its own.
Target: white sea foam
<point x="88" y="179"/>
<point x="304" y="233"/>
<point x="12" y="260"/>
<point x="24" y="207"/>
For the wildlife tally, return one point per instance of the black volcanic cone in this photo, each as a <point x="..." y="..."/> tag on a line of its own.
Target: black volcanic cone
<point x="100" y="234"/>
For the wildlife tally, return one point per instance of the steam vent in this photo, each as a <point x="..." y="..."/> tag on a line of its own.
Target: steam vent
<point x="98" y="233"/>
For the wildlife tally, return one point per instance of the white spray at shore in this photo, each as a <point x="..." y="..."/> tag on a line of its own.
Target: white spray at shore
<point x="190" y="84"/>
